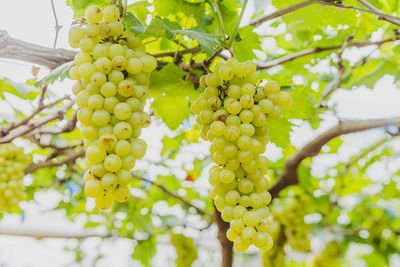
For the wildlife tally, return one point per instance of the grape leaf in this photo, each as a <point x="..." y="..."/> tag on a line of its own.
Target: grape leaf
<point x="57" y="74"/>
<point x="140" y="9"/>
<point x="249" y="40"/>
<point x="172" y="110"/>
<point x="208" y="42"/>
<point x="130" y="21"/>
<point x="278" y="132"/>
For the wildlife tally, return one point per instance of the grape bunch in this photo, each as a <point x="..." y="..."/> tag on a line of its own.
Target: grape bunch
<point x="290" y="214"/>
<point x="185" y="250"/>
<point x="12" y="165"/>
<point x="233" y="111"/>
<point x="112" y="73"/>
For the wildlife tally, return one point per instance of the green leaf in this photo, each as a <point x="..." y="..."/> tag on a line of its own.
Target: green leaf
<point x="19" y="89"/>
<point x="278" y="132"/>
<point x="172" y="110"/>
<point x="208" y="42"/>
<point x="158" y="28"/>
<point x="140" y="9"/>
<point x="145" y="250"/>
<point x="130" y="21"/>
<point x="171" y="145"/>
<point x="249" y="40"/>
<point x="58" y="74"/>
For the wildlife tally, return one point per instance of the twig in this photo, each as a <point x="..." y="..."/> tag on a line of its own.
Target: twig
<point x="172" y="194"/>
<point x="220" y="20"/>
<point x="257" y="22"/>
<point x="48" y="234"/>
<point x="311" y="51"/>
<point x="40" y="108"/>
<point x="125" y="8"/>
<point x="371" y="7"/>
<point x="311" y="149"/>
<point x="363" y="154"/>
<point x="180" y="53"/>
<point x="24" y="129"/>
<point x="335" y="84"/>
<point x="50" y="163"/>
<point x="236" y="29"/>
<point x="392" y="19"/>
<point x="57" y="27"/>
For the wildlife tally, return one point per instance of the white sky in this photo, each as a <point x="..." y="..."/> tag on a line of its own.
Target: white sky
<point x="33" y="21"/>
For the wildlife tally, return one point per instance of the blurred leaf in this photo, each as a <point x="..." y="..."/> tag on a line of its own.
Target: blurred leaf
<point x="58" y="74"/>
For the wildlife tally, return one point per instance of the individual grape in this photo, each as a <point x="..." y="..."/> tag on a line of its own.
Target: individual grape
<point x="121" y="193"/>
<point x="94" y="14"/>
<point x="76" y="33"/>
<point x="91" y="30"/>
<point x="104" y="201"/>
<point x="93" y="188"/>
<point x="103" y="65"/>
<point x="110" y="14"/>
<point x="149" y="63"/>
<point x="122" y="111"/>
<point x="116" y="28"/>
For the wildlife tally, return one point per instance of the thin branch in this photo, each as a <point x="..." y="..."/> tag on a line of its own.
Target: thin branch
<point x="236" y="29"/>
<point x="311" y="51"/>
<point x="36" y="54"/>
<point x="257" y="22"/>
<point x="125" y="8"/>
<point x="311" y="149"/>
<point x="372" y="8"/>
<point x="172" y="194"/>
<point x="25" y="129"/>
<point x="58" y="26"/>
<point x="392" y="19"/>
<point x="335" y="84"/>
<point x="220" y="20"/>
<point x="364" y="152"/>
<point x="51" y="163"/>
<point x="48" y="234"/>
<point x="40" y="108"/>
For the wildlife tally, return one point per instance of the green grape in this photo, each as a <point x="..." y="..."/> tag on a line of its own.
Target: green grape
<point x="85" y="116"/>
<point x="122" y="111"/>
<point x="121" y="194"/>
<point x="149" y="63"/>
<point x="74" y="73"/>
<point x="98" y="170"/>
<point x="104" y="30"/>
<point x="138" y="148"/>
<point x="81" y="58"/>
<point x="110" y="14"/>
<point x="126" y="88"/>
<point x="104" y="201"/>
<point x="116" y="28"/>
<point x="122" y="130"/>
<point x="93" y="188"/>
<point x="112" y="163"/>
<point x="77" y="87"/>
<point x="213" y="80"/>
<point x="108" y="141"/>
<point x="101" y="117"/>
<point x="100" y="50"/>
<point x="95" y="153"/>
<point x="128" y="162"/>
<point x="240" y="244"/>
<point x="122" y="148"/>
<point x="103" y="65"/>
<point x="226" y="73"/>
<point x="115" y="76"/>
<point x="94" y="14"/>
<point x="76" y="33"/>
<point x="124" y="177"/>
<point x="91" y="30"/>
<point x="95" y="102"/>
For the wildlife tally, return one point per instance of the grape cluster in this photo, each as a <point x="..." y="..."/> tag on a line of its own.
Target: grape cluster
<point x="185" y="250"/>
<point x="290" y="215"/>
<point x="112" y="71"/>
<point x="233" y="111"/>
<point x="12" y="165"/>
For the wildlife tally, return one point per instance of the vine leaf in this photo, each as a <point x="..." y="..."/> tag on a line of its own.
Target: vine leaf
<point x="58" y="74"/>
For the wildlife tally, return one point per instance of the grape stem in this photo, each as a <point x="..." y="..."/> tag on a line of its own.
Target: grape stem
<point x="220" y="20"/>
<point x="125" y="8"/>
<point x="58" y="26"/>
<point x="236" y="29"/>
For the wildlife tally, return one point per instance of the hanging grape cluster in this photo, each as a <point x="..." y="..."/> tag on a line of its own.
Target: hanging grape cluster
<point x="13" y="162"/>
<point x="233" y="111"/>
<point x="112" y="71"/>
<point x="185" y="249"/>
<point x="289" y="213"/>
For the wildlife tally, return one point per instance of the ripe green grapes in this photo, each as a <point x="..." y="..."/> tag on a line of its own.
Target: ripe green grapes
<point x="12" y="165"/>
<point x="185" y="249"/>
<point x="233" y="111"/>
<point x="112" y="73"/>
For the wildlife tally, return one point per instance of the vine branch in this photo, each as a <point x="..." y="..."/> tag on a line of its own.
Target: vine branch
<point x="58" y="26"/>
<point x="236" y="29"/>
<point x="220" y="20"/>
<point x="311" y="149"/>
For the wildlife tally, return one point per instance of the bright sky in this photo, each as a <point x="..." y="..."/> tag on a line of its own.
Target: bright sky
<point x="33" y="21"/>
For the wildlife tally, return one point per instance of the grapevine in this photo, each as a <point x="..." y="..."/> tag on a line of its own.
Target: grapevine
<point x="112" y="71"/>
<point x="233" y="111"/>
<point x="12" y="165"/>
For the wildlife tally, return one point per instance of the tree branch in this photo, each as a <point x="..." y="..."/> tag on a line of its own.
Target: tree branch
<point x="20" y="50"/>
<point x="372" y="8"/>
<point x="311" y="51"/>
<point x="258" y="21"/>
<point x="311" y="149"/>
<point x="24" y="129"/>
<point x="335" y="84"/>
<point x="382" y="16"/>
<point x="48" y="234"/>
<point x="51" y="163"/>
<point x="173" y="194"/>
